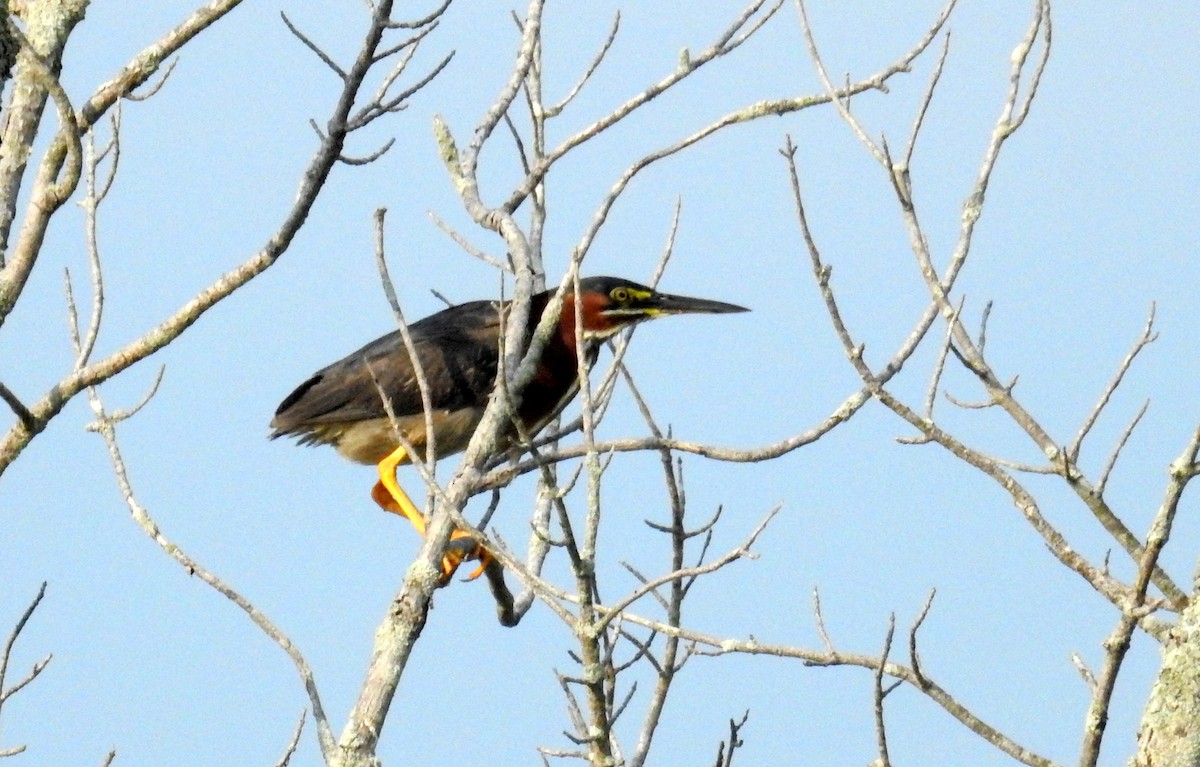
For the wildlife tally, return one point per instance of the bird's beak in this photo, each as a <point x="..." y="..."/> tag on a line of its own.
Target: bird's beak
<point x="658" y="304"/>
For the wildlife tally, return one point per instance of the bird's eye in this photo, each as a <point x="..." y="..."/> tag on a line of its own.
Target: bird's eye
<point x="620" y="295"/>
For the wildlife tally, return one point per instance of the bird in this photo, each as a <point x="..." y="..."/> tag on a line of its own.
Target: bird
<point x="359" y="403"/>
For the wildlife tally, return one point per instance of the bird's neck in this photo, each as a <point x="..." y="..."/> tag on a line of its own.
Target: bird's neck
<point x="596" y="324"/>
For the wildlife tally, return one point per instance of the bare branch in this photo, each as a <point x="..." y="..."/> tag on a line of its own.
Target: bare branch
<point x="530" y="36"/>
<point x="433" y="16"/>
<point x="983" y="323"/>
<point x="489" y="219"/>
<point x="52" y="186"/>
<point x="376" y="109"/>
<point x="39" y="60"/>
<point x="154" y="88"/>
<point x="842" y="102"/>
<point x="409" y="46"/>
<point x="367" y="159"/>
<point x="105" y="425"/>
<point x="294" y="743"/>
<point x="939" y="367"/>
<point x="819" y="620"/>
<point x="91" y="208"/>
<point x="1117" y="644"/>
<point x="1041" y="23"/>
<point x="964" y="346"/>
<point x="1084" y="672"/>
<point x="312" y="181"/>
<point x="316" y="49"/>
<point x="741" y="552"/>
<point x="914" y="658"/>
<point x="1111" y="464"/>
<point x="832" y="657"/>
<point x="143" y="66"/>
<point x="726" y="748"/>
<point x="761" y="109"/>
<point x="517" y="142"/>
<point x="33" y="674"/>
<point x="1147" y="337"/>
<point x="23" y="415"/>
<point x="879" y="694"/>
<point x="934" y="78"/>
<point x="591" y="70"/>
<point x="6" y="655"/>
<point x="1112" y="589"/>
<point x="467" y="247"/>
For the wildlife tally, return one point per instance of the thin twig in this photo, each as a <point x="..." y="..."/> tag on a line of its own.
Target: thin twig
<point x="934" y="78"/>
<point x="410" y="349"/>
<point x="819" y="621"/>
<point x="6" y="655"/>
<point x="591" y="70"/>
<point x="23" y="415"/>
<point x="743" y="551"/>
<point x="1147" y="337"/>
<point x="726" y="748"/>
<point x="914" y="657"/>
<point x="293" y="743"/>
<point x="153" y="88"/>
<point x="1111" y="464"/>
<point x="467" y="247"/>
<point x="1084" y="672"/>
<point x="881" y="745"/>
<point x="325" y="58"/>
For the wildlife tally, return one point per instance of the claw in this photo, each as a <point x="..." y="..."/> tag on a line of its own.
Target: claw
<point x="391" y="497"/>
<point x="464" y="548"/>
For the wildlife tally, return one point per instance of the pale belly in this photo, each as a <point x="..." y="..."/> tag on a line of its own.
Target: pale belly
<point x="371" y="441"/>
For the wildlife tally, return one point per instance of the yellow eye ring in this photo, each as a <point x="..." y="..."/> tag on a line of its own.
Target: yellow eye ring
<point x="620" y="295"/>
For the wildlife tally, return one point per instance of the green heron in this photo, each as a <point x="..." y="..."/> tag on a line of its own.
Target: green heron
<point x="458" y="348"/>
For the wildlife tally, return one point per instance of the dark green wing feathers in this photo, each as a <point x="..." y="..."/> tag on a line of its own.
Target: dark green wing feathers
<point x="457" y="348"/>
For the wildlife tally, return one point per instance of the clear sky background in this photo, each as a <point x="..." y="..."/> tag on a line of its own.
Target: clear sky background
<point x="1092" y="215"/>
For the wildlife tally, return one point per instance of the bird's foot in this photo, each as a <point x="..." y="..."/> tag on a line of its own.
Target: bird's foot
<point x="464" y="548"/>
<point x="461" y="548"/>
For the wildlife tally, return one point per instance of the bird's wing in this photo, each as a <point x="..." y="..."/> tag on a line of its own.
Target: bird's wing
<point x="457" y="349"/>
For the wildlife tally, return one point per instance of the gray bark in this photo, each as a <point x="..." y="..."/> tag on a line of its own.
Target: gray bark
<point x="1170" y="732"/>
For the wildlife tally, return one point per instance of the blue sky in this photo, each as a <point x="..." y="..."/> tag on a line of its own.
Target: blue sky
<point x="1091" y="216"/>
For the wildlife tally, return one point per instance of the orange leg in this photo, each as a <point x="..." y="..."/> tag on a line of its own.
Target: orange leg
<point x="391" y="497"/>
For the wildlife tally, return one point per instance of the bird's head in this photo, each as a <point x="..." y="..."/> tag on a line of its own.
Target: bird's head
<point x="608" y="305"/>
